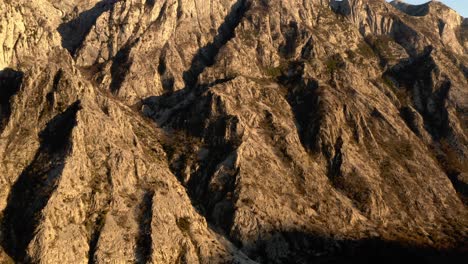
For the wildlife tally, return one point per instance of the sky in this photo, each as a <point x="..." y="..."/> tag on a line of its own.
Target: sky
<point x="460" y="5"/>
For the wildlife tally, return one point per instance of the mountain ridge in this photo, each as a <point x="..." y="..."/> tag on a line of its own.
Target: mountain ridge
<point x="232" y="131"/>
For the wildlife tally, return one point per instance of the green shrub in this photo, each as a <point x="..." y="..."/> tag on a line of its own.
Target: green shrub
<point x="334" y="63"/>
<point x="365" y="50"/>
<point x="273" y="72"/>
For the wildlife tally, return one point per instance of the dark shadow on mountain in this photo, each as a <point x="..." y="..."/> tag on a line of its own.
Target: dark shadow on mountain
<point x="95" y="235"/>
<point x="192" y="122"/>
<point x="96" y="220"/>
<point x="188" y="118"/>
<point x="416" y="75"/>
<point x="150" y="3"/>
<point x="341" y="7"/>
<point x="34" y="187"/>
<point x="10" y="83"/>
<point x="304" y="248"/>
<point x="206" y="56"/>
<point x="167" y="79"/>
<point x="120" y="67"/>
<point x="144" y="241"/>
<point x="303" y="98"/>
<point x="412" y="10"/>
<point x="429" y="92"/>
<point x="74" y="32"/>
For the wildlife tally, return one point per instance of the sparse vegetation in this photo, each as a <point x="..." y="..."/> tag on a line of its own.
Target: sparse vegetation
<point x="386" y="168"/>
<point x="275" y="72"/>
<point x="249" y="36"/>
<point x="398" y="149"/>
<point x="451" y="161"/>
<point x="335" y="63"/>
<point x="355" y="187"/>
<point x="365" y="50"/>
<point x="382" y="43"/>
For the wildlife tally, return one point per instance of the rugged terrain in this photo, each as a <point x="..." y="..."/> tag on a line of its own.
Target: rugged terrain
<point x="232" y="131"/>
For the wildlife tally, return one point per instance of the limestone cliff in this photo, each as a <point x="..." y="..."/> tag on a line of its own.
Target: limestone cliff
<point x="232" y="131"/>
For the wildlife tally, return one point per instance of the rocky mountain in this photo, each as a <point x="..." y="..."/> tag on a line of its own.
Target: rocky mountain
<point x="233" y="131"/>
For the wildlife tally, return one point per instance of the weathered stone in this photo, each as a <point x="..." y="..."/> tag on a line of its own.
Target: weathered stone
<point x="232" y="131"/>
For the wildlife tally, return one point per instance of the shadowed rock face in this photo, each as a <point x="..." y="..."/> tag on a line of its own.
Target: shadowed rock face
<point x="31" y="192"/>
<point x="412" y="10"/>
<point x="232" y="131"/>
<point x="10" y="83"/>
<point x="74" y="32"/>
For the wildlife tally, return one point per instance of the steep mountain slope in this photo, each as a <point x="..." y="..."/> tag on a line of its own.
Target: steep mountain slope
<point x="225" y="131"/>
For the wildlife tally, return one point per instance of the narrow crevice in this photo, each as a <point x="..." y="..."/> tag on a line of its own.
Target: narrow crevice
<point x="441" y="26"/>
<point x="144" y="240"/>
<point x="74" y="32"/>
<point x="34" y="187"/>
<point x="96" y="234"/>
<point x="307" y="51"/>
<point x="206" y="56"/>
<point x="167" y="79"/>
<point x="335" y="162"/>
<point x="219" y="81"/>
<point x="410" y="116"/>
<point x="58" y="76"/>
<point x="350" y="183"/>
<point x="10" y="83"/>
<point x="55" y="85"/>
<point x="96" y="223"/>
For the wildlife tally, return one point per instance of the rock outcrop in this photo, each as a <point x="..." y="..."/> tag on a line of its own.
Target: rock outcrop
<point x="232" y="131"/>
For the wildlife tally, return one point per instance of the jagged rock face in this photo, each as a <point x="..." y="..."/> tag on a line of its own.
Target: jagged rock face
<point x="232" y="131"/>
